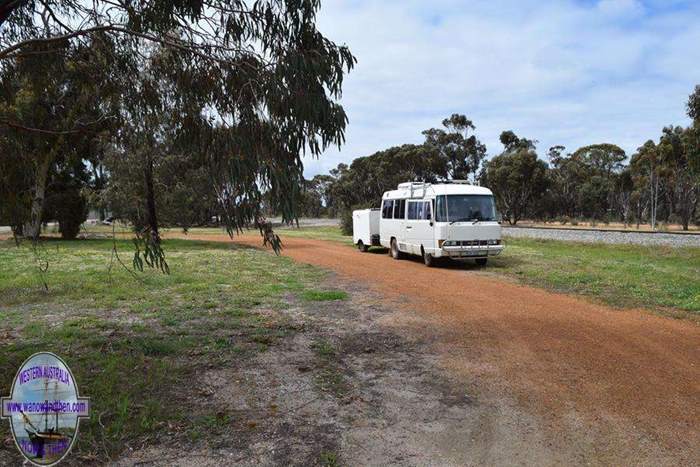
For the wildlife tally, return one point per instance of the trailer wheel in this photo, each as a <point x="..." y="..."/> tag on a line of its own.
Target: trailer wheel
<point x="481" y="261"/>
<point x="362" y="247"/>
<point x="394" y="250"/>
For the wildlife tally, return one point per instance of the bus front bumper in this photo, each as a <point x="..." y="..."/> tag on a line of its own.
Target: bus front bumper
<point x="467" y="252"/>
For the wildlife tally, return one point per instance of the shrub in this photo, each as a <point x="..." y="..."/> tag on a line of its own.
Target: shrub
<point x="346" y="221"/>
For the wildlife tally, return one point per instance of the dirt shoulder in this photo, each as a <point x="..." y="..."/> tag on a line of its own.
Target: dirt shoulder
<point x="608" y="385"/>
<point x="345" y="388"/>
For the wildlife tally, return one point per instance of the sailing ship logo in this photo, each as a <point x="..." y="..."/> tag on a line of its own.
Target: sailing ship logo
<point x="44" y="409"/>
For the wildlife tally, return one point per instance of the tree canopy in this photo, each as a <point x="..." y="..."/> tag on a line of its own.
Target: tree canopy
<point x="516" y="176"/>
<point x="244" y="89"/>
<point x="462" y="152"/>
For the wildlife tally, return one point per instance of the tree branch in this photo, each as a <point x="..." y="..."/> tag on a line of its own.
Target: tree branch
<point x="48" y="40"/>
<point x="4" y="54"/>
<point x="7" y="9"/>
<point x="83" y="127"/>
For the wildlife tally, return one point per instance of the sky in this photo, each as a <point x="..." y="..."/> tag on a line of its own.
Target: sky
<point x="562" y="72"/>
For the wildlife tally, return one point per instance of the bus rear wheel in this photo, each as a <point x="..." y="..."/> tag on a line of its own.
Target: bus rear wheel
<point x="394" y="250"/>
<point x="482" y="261"/>
<point x="362" y="247"/>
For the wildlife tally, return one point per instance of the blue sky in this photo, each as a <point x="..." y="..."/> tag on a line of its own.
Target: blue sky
<point x="561" y="72"/>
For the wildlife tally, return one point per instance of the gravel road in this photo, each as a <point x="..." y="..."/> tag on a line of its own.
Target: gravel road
<point x="673" y="240"/>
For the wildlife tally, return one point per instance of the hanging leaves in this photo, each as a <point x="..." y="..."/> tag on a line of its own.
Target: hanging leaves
<point x="246" y="88"/>
<point x="149" y="252"/>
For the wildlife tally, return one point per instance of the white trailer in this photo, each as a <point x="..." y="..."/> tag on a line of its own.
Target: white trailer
<point x="444" y="220"/>
<point x="365" y="228"/>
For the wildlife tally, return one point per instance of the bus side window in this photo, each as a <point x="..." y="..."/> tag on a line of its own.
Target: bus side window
<point x="387" y="209"/>
<point x="426" y="210"/>
<point x="400" y="206"/>
<point x="412" y="210"/>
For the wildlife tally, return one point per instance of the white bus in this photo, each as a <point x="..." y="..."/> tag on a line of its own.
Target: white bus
<point x="450" y="219"/>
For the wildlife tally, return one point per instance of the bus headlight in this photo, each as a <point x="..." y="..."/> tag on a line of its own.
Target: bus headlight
<point x="494" y="242"/>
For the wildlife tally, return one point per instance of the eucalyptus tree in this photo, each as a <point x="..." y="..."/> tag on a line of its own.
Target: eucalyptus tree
<point x="367" y="178"/>
<point x="605" y="159"/>
<point x="462" y="151"/>
<point x="15" y="185"/>
<point x="264" y="80"/>
<point x="625" y="194"/>
<point x="680" y="159"/>
<point x="647" y="169"/>
<point x="566" y="175"/>
<point x="516" y="176"/>
<point x="317" y="199"/>
<point x="156" y="176"/>
<point x="48" y="110"/>
<point x="600" y="164"/>
<point x="693" y="106"/>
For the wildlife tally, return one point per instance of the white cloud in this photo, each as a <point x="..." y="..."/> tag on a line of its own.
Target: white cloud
<point x="561" y="72"/>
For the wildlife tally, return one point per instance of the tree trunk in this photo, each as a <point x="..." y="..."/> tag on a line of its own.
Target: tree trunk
<point x="654" y="200"/>
<point x="32" y="228"/>
<point x="687" y="201"/>
<point x="151" y="217"/>
<point x="512" y="219"/>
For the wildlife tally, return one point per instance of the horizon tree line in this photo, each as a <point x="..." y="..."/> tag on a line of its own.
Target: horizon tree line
<point x="659" y="182"/>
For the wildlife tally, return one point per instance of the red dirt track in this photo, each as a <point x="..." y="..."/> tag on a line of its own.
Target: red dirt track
<point x="629" y="379"/>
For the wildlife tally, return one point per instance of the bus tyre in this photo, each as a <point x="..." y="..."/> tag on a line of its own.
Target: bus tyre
<point x="394" y="250"/>
<point x="362" y="247"/>
<point x="482" y="261"/>
<point x="429" y="260"/>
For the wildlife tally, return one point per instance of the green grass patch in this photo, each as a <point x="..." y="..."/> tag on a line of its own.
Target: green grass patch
<point x="324" y="295"/>
<point x="653" y="277"/>
<point x="324" y="349"/>
<point x="137" y="345"/>
<point x="329" y="459"/>
<point x="320" y="233"/>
